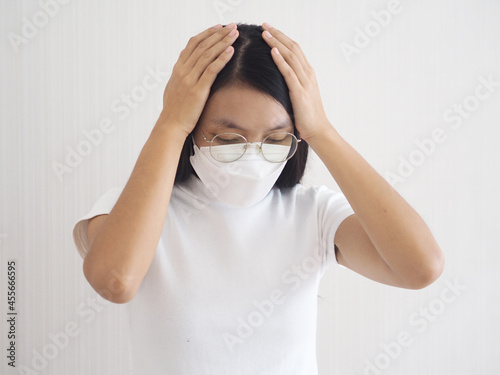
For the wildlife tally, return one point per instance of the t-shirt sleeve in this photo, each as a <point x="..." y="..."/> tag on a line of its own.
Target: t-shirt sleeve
<point x="104" y="205"/>
<point x="333" y="208"/>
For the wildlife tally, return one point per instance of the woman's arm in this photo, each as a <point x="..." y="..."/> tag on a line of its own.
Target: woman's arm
<point x="386" y="240"/>
<point x="122" y="248"/>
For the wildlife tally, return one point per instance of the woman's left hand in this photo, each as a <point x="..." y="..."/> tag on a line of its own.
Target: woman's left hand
<point x="310" y="116"/>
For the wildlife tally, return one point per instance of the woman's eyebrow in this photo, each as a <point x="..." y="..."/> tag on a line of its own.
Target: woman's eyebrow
<point x="229" y="124"/>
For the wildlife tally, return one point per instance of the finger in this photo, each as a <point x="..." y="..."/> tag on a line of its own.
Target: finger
<point x="284" y="39"/>
<point x="291" y="78"/>
<point x="288" y="56"/>
<point x="204" y="48"/>
<point x="210" y="55"/>
<point x="210" y="73"/>
<point x="194" y="41"/>
<point x="289" y="43"/>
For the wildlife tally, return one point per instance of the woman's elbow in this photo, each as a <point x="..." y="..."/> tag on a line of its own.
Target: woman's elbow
<point x="430" y="270"/>
<point x="110" y="285"/>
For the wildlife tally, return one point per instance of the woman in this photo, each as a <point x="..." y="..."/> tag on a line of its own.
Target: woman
<point x="225" y="281"/>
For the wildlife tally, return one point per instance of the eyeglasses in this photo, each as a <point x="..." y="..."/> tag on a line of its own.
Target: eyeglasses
<point x="275" y="148"/>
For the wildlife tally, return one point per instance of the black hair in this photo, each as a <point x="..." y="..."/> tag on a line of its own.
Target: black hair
<point x="253" y="66"/>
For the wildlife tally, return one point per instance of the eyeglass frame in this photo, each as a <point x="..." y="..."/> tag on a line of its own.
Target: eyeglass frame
<point x="259" y="145"/>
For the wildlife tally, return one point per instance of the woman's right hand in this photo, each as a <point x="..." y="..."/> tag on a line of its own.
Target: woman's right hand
<point x="193" y="75"/>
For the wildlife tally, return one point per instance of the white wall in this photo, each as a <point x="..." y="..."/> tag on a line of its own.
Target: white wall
<point x="68" y="73"/>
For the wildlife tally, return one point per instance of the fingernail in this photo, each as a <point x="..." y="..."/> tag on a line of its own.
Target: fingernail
<point x="231" y="25"/>
<point x="233" y="32"/>
<point x="267" y="26"/>
<point x="218" y="26"/>
<point x="267" y="34"/>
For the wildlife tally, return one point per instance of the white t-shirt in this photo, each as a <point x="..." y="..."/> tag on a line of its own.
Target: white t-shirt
<point x="232" y="290"/>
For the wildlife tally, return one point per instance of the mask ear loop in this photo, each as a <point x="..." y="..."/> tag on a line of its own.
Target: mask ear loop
<point x="194" y="143"/>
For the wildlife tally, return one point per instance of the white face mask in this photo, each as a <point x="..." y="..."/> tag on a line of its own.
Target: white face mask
<point x="241" y="183"/>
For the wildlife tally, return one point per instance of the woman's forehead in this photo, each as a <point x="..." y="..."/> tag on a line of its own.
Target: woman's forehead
<point x="244" y="109"/>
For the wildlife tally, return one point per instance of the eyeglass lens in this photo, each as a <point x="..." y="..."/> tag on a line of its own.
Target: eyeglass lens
<point x="276" y="147"/>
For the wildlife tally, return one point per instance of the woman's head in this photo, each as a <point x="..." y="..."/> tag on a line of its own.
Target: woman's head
<point x="250" y="97"/>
